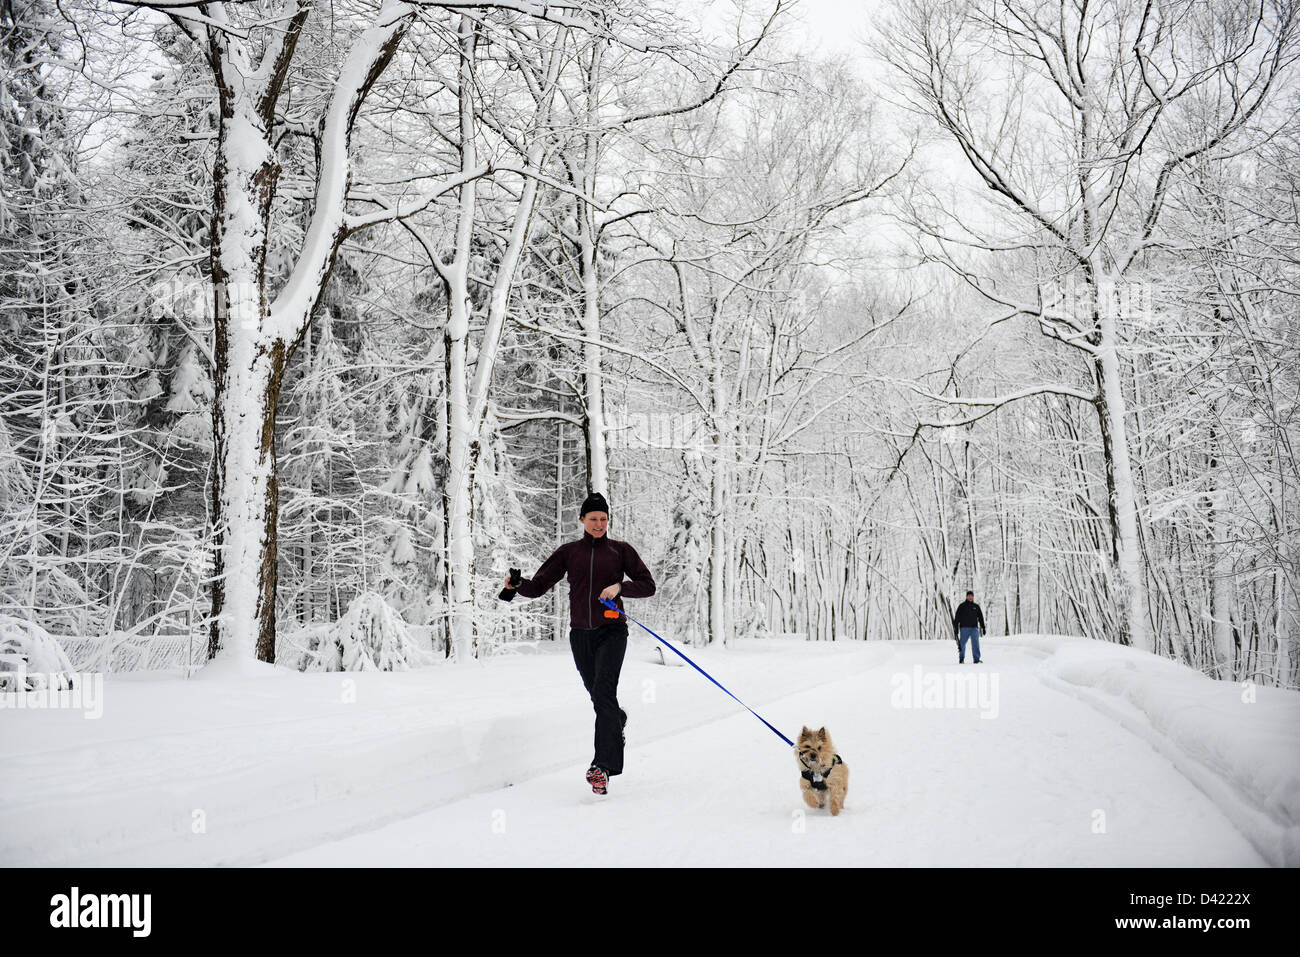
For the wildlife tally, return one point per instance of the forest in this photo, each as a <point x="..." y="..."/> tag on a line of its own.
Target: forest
<point x="315" y="318"/>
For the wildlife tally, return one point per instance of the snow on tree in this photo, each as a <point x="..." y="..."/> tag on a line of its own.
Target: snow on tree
<point x="371" y="636"/>
<point x="31" y="659"/>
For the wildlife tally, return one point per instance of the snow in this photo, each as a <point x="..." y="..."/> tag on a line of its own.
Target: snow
<point x="1094" y="755"/>
<point x="191" y="386"/>
<point x="31" y="656"/>
<point x="1235" y="740"/>
<point x="371" y="636"/>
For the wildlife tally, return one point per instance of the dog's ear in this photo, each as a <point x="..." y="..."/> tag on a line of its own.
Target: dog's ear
<point x="806" y="730"/>
<point x="821" y="735"/>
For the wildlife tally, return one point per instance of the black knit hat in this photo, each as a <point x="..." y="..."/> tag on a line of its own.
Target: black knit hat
<point x="595" y="502"/>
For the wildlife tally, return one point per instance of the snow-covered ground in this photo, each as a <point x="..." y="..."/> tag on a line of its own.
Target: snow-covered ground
<point x="1066" y="752"/>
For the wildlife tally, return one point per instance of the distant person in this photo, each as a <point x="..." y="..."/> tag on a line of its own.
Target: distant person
<point x="596" y="566"/>
<point x="968" y="625"/>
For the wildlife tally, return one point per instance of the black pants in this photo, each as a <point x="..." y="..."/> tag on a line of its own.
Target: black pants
<point x="598" y="653"/>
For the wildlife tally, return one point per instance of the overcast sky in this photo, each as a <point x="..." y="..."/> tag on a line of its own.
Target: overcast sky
<point x="837" y="25"/>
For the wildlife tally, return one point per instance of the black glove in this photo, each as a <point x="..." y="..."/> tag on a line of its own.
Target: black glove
<point x="516" y="576"/>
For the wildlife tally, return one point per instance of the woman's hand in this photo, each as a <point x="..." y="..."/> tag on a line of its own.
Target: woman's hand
<point x="508" y="585"/>
<point x="611" y="592"/>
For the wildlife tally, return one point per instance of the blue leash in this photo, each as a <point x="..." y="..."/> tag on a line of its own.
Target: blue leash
<point x="609" y="604"/>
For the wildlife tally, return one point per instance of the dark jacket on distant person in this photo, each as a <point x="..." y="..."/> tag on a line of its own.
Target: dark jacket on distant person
<point x="592" y="564"/>
<point x="968" y="616"/>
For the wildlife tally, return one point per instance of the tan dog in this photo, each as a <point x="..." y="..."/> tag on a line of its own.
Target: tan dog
<point x="821" y="771"/>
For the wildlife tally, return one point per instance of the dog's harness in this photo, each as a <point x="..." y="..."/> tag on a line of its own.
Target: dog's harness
<point x="816" y="778"/>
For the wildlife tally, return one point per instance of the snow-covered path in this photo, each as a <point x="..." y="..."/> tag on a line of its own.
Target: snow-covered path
<point x="1077" y="753"/>
<point x="1043" y="779"/>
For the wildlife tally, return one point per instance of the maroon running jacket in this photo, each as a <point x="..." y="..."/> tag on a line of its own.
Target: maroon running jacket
<point x="592" y="564"/>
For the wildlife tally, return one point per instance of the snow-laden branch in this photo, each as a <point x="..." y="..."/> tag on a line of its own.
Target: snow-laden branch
<point x="275" y="62"/>
<point x="500" y="298"/>
<point x="717" y="88"/>
<point x="195" y="25"/>
<point x="991" y="405"/>
<point x="368" y="57"/>
<point x="621" y="350"/>
<point x="402" y="210"/>
<point x="592" y="17"/>
<point x="509" y="418"/>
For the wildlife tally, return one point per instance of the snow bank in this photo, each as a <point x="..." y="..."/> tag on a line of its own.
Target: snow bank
<point x="1238" y="743"/>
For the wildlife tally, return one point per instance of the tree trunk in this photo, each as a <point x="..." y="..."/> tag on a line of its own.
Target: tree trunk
<point x="1126" y="556"/>
<point x="460" y="551"/>
<point x="718" y="501"/>
<point x="1221" y="591"/>
<point x="249" y="371"/>
<point x="593" y="382"/>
